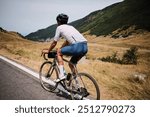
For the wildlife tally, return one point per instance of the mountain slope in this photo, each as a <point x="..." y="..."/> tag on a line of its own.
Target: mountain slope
<point x="123" y="15"/>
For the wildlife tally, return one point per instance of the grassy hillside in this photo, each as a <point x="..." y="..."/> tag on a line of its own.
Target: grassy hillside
<point x="120" y="16"/>
<point x="117" y="16"/>
<point x="115" y="81"/>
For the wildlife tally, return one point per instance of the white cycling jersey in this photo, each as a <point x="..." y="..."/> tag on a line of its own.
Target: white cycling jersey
<point x="69" y="33"/>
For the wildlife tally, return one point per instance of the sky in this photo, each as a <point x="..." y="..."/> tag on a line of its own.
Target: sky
<point x="26" y="16"/>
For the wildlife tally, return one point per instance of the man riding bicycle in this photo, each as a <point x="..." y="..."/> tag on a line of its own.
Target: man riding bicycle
<point x="75" y="44"/>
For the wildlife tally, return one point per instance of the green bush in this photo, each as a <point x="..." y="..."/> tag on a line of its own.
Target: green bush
<point x="129" y="57"/>
<point x="113" y="58"/>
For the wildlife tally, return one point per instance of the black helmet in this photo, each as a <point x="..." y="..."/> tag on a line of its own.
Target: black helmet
<point x="62" y="18"/>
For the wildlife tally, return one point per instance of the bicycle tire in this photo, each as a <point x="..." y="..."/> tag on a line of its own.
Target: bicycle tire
<point x="48" y="73"/>
<point x="87" y="87"/>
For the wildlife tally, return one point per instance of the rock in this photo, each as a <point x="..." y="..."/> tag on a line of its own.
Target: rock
<point x="140" y="77"/>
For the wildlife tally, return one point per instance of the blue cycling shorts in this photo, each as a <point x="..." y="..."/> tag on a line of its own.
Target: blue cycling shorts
<point x="77" y="51"/>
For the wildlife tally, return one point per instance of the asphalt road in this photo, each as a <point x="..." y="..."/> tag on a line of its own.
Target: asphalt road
<point x="15" y="84"/>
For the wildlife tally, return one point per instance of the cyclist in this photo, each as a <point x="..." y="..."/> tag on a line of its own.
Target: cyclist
<point x="75" y="44"/>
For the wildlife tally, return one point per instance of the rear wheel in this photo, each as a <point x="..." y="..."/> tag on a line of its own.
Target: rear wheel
<point x="84" y="86"/>
<point x="48" y="73"/>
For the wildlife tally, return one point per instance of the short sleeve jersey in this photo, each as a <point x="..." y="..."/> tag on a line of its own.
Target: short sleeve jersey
<point x="69" y="33"/>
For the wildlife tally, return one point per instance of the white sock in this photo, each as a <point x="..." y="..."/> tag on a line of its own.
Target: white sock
<point x="61" y="69"/>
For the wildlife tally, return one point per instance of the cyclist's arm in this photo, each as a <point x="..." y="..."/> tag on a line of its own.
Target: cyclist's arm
<point x="53" y="44"/>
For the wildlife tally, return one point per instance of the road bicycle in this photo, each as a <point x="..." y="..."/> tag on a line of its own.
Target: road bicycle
<point x="77" y="85"/>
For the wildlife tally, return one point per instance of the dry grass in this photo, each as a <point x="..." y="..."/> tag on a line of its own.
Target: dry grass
<point x="114" y="79"/>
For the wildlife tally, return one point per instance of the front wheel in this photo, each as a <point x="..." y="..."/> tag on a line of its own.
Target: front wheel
<point x="48" y="73"/>
<point x="84" y="86"/>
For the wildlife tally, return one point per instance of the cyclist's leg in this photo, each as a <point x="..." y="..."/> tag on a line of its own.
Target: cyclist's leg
<point x="73" y="61"/>
<point x="60" y="57"/>
<point x="60" y="64"/>
<point x="67" y="50"/>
